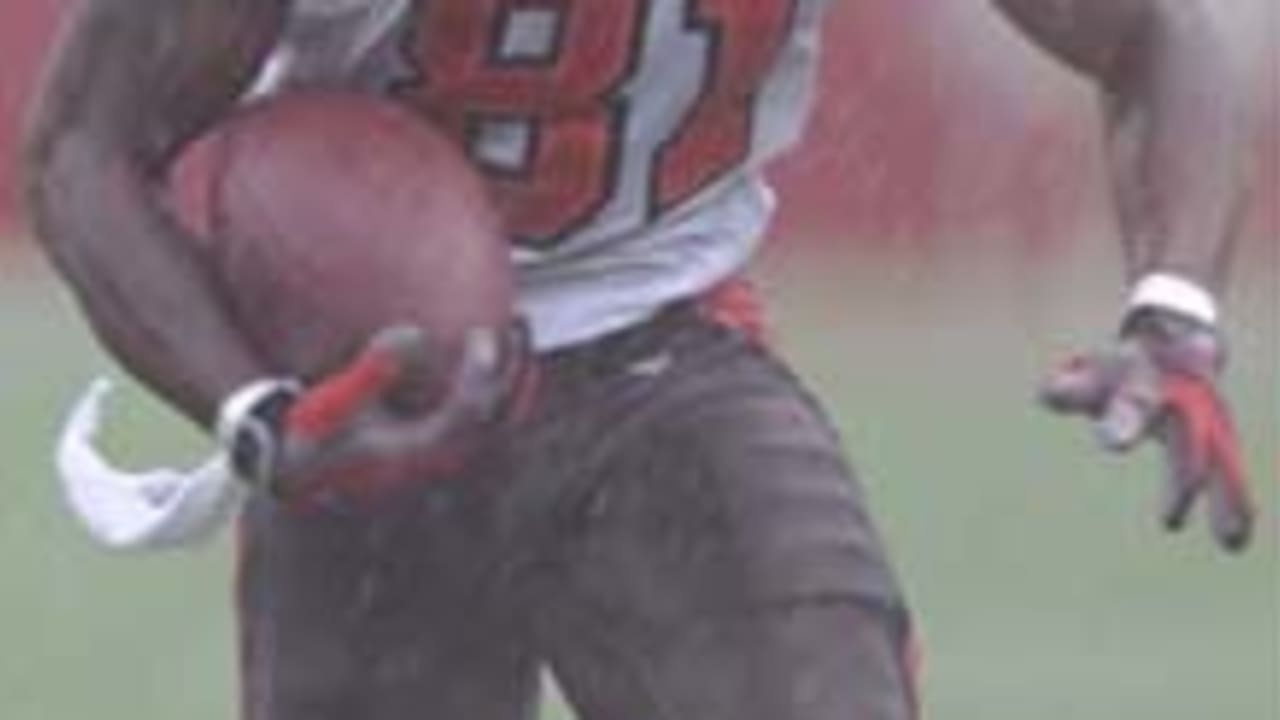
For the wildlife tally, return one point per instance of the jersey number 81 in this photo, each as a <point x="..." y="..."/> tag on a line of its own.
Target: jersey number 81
<point x="547" y="78"/>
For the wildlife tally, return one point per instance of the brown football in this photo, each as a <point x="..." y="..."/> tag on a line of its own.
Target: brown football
<point x="330" y="215"/>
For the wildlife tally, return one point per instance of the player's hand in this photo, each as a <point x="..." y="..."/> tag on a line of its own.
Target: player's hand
<point x="352" y="436"/>
<point x="1160" y="383"/>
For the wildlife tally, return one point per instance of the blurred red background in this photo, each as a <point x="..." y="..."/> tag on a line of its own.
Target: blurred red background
<point x="937" y="125"/>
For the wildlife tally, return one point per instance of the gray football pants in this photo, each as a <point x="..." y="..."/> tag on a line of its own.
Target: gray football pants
<point x="673" y="533"/>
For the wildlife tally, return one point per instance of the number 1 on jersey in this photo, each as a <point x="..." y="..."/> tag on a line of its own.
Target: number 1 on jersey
<point x="745" y="37"/>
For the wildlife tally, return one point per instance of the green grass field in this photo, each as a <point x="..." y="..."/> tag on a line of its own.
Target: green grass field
<point x="1044" y="589"/>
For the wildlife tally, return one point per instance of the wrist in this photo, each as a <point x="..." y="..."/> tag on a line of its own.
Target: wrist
<point x="1175" y="322"/>
<point x="1170" y="293"/>
<point x="249" y="425"/>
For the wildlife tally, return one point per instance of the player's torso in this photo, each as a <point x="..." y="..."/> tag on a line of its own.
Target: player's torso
<point x="606" y="127"/>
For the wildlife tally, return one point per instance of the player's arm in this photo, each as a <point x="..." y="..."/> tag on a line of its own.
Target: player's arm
<point x="130" y="83"/>
<point x="1175" y="122"/>
<point x="1174" y="108"/>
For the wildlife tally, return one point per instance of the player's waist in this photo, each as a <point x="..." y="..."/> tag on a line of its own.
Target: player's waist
<point x="577" y="297"/>
<point x="733" y="306"/>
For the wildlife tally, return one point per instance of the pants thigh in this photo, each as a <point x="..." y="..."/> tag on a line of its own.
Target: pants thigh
<point x="369" y="616"/>
<point x="729" y="569"/>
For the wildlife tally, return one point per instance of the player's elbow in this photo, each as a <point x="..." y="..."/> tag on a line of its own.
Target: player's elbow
<point x="1168" y="39"/>
<point x="1127" y="47"/>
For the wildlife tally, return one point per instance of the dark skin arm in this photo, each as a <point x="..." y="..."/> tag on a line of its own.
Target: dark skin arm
<point x="1175" y="130"/>
<point x="132" y="81"/>
<point x="1175" y="122"/>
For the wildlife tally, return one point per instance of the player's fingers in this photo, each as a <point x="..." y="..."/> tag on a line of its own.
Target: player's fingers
<point x="1128" y="415"/>
<point x="1183" y="474"/>
<point x="420" y="365"/>
<point x="520" y="379"/>
<point x="406" y="343"/>
<point x="495" y="362"/>
<point x="1075" y="386"/>
<point x="386" y="448"/>
<point x="1209" y="449"/>
<point x="479" y="381"/>
<point x="1133" y="401"/>
<point x="1230" y="510"/>
<point x="378" y="452"/>
<point x="474" y="393"/>
<point x="333" y="404"/>
<point x="1082" y="385"/>
<point x="1230" y="506"/>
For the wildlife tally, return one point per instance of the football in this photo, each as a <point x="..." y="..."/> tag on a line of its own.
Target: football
<point x="327" y="216"/>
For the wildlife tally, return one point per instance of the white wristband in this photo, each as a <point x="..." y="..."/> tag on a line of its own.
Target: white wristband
<point x="243" y="402"/>
<point x="1176" y="294"/>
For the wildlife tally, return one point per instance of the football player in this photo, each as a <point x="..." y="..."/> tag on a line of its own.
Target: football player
<point x="672" y="530"/>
